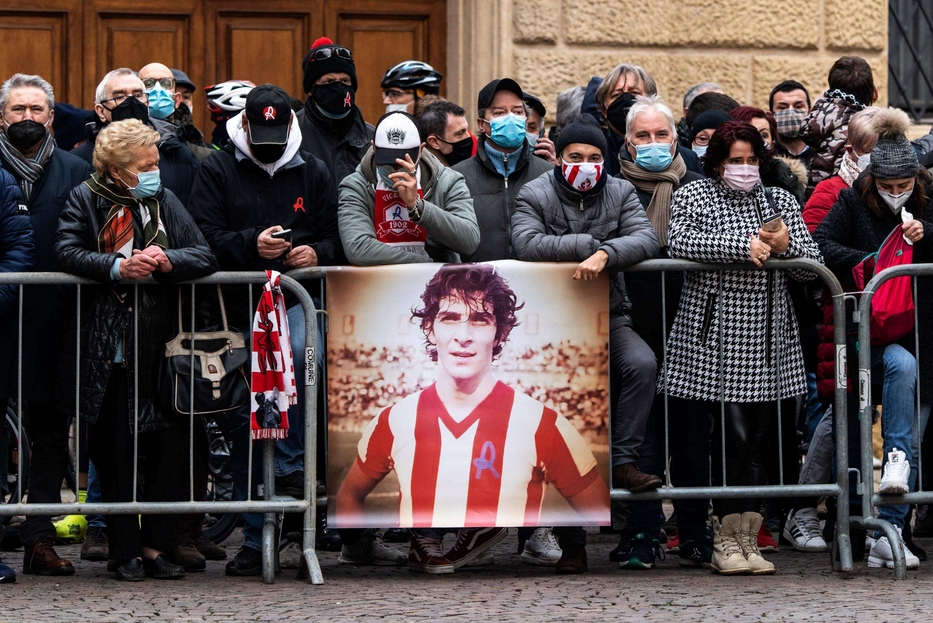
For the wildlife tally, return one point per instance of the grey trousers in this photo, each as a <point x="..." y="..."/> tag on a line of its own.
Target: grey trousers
<point x="633" y="371"/>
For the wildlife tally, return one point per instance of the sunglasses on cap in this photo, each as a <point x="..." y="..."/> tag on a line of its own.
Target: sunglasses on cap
<point x="325" y="53"/>
<point x="166" y="83"/>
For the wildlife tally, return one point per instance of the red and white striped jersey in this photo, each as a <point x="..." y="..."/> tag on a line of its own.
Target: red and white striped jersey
<point x="490" y="469"/>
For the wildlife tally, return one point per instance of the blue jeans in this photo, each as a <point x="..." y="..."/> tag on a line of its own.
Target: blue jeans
<point x="289" y="452"/>
<point x="94" y="496"/>
<point x="898" y="412"/>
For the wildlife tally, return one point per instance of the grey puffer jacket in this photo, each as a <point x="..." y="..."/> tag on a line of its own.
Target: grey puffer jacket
<point x="448" y="216"/>
<point x="494" y="198"/>
<point x="555" y="224"/>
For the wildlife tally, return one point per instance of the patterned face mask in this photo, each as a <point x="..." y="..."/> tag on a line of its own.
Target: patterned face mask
<point x="582" y="175"/>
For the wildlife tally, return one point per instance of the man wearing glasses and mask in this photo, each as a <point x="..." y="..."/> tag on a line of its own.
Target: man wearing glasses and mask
<point x="46" y="175"/>
<point x="123" y="95"/>
<point x="332" y="126"/>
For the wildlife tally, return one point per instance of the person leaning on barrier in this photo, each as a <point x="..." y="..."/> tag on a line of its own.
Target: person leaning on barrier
<point x="576" y="213"/>
<point x="121" y="225"/>
<point x="653" y="165"/>
<point x="727" y="343"/>
<point x="893" y="192"/>
<point x="265" y="203"/>
<point x="46" y="176"/>
<point x="17" y="255"/>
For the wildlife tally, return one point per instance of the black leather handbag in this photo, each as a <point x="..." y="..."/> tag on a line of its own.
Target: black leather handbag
<point x="219" y="359"/>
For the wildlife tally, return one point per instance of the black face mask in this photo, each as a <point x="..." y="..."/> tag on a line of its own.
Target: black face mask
<point x="267" y="154"/>
<point x="25" y="134"/>
<point x="335" y="100"/>
<point x="130" y="108"/>
<point x="462" y="150"/>
<point x="617" y="112"/>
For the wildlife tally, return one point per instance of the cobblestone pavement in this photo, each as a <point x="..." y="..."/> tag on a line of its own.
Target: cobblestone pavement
<point x="803" y="589"/>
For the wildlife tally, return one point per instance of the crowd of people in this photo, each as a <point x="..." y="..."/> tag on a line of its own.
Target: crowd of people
<point x="131" y="190"/>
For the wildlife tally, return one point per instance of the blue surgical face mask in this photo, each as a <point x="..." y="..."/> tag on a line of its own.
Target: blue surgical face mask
<point x="508" y="130"/>
<point x="147" y="184"/>
<point x="161" y="102"/>
<point x="653" y="156"/>
<point x="700" y="150"/>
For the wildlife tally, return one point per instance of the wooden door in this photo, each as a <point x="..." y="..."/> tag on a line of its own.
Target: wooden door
<point x="382" y="34"/>
<point x="43" y="37"/>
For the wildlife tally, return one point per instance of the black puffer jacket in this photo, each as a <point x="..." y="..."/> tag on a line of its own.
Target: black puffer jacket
<point x="494" y="199"/>
<point x="44" y="306"/>
<point x="342" y="153"/>
<point x="852" y="231"/>
<point x="107" y="311"/>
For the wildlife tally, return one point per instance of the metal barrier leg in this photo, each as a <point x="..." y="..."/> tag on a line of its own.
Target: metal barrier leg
<point x="269" y="549"/>
<point x="900" y="561"/>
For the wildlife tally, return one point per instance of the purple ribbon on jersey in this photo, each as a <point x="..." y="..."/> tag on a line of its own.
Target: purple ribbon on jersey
<point x="487" y="457"/>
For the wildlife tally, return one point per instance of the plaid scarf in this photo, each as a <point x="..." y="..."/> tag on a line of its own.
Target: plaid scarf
<point x="661" y="185"/>
<point x="273" y="371"/>
<point x="118" y="235"/>
<point x="27" y="170"/>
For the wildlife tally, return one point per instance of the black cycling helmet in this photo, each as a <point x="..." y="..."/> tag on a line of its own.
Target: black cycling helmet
<point x="413" y="75"/>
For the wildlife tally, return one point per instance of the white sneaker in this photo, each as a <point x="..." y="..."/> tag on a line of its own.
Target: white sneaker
<point x="803" y="531"/>
<point x="881" y="555"/>
<point x="541" y="548"/>
<point x="896" y="474"/>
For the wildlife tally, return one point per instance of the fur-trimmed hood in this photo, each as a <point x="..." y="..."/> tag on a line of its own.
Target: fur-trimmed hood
<point x="796" y="167"/>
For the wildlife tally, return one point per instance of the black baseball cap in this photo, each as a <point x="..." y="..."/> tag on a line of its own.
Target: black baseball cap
<point x="269" y="113"/>
<point x="535" y="104"/>
<point x="489" y="91"/>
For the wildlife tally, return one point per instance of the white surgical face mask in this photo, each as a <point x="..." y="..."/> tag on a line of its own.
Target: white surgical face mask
<point x="396" y="108"/>
<point x="863" y="161"/>
<point x="896" y="202"/>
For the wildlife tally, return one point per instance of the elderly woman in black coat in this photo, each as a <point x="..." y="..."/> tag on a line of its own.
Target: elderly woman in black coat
<point x="893" y="193"/>
<point x="122" y="225"/>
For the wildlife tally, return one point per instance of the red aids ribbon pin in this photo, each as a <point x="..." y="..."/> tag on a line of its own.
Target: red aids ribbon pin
<point x="299" y="205"/>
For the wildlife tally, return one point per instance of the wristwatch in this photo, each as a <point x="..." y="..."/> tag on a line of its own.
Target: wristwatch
<point x="416" y="210"/>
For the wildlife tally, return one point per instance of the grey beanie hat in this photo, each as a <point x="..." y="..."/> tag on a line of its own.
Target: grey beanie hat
<point x="893" y="156"/>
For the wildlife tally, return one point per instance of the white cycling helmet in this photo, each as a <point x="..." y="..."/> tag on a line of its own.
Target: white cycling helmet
<point x="228" y="97"/>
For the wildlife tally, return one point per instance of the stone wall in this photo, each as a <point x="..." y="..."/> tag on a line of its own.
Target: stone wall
<point x="747" y="46"/>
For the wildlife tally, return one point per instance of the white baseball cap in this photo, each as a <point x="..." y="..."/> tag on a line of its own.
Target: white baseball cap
<point x="396" y="135"/>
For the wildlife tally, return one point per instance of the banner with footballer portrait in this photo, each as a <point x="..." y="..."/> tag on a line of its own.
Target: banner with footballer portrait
<point x="467" y="395"/>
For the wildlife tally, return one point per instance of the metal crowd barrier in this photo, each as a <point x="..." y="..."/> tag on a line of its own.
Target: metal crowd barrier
<point x="270" y="505"/>
<point x="842" y="549"/>
<point x="871" y="499"/>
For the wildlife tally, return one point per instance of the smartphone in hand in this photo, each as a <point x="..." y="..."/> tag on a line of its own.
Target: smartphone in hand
<point x="285" y="234"/>
<point x="772" y="223"/>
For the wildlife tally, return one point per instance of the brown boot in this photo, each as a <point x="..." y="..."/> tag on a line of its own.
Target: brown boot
<point x="186" y="554"/>
<point x="209" y="549"/>
<point x="40" y="559"/>
<point x="628" y="477"/>
<point x="572" y="559"/>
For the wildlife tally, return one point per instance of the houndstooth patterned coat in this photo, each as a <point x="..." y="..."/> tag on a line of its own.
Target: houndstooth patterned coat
<point x="711" y="222"/>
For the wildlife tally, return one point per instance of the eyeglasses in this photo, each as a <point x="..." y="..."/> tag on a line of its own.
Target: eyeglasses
<point x="394" y="94"/>
<point x="325" y="53"/>
<point x="701" y="140"/>
<point x="166" y="83"/>
<point x="119" y="99"/>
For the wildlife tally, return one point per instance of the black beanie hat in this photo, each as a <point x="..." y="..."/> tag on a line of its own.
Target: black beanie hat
<point x="315" y="68"/>
<point x="583" y="129"/>
<point x="708" y="120"/>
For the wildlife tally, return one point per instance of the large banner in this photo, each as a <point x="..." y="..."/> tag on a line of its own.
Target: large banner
<point x="467" y="395"/>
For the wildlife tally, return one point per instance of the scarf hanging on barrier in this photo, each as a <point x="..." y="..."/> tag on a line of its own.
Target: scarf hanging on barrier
<point x="273" y="386"/>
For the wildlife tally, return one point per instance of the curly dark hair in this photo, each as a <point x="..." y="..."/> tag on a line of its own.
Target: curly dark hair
<point x="725" y="137"/>
<point x="476" y="285"/>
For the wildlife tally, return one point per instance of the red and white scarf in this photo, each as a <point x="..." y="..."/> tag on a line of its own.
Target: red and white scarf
<point x="273" y="386"/>
<point x="393" y="225"/>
